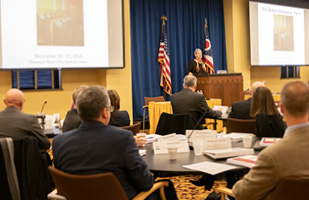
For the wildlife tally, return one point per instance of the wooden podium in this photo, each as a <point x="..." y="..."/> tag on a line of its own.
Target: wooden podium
<point x="228" y="87"/>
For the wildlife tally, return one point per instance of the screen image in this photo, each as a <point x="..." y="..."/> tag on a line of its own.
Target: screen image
<point x="61" y="34"/>
<point x="278" y="35"/>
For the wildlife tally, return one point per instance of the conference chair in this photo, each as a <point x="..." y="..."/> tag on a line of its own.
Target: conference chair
<point x="94" y="187"/>
<point x="147" y="100"/>
<point x="174" y="123"/>
<point x="134" y="128"/>
<point x="23" y="169"/>
<point x="288" y="188"/>
<point x="240" y="125"/>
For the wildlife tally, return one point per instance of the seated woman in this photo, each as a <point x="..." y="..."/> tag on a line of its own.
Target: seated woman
<point x="269" y="121"/>
<point x="118" y="118"/>
<point x="121" y="118"/>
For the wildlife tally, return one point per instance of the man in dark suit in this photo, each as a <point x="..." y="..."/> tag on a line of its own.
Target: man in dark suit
<point x="15" y="123"/>
<point x="188" y="101"/>
<point x="241" y="109"/>
<point x="96" y="147"/>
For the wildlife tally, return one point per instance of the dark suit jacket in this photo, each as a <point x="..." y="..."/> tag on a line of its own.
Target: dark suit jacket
<point x="187" y="101"/>
<point x="96" y="148"/>
<point x="241" y="109"/>
<point x="71" y="121"/>
<point x="119" y="118"/>
<point x="15" y="123"/>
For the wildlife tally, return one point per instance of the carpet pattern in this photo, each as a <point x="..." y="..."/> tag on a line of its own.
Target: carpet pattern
<point x="186" y="190"/>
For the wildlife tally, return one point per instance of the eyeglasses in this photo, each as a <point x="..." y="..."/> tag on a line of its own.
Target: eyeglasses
<point x="111" y="108"/>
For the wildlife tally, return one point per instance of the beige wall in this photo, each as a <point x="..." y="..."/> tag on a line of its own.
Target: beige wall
<point x="237" y="45"/>
<point x="60" y="101"/>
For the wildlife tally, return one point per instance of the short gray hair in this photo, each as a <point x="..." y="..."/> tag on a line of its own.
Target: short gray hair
<point x="189" y="81"/>
<point x="295" y="98"/>
<point x="196" y="50"/>
<point x="91" y="101"/>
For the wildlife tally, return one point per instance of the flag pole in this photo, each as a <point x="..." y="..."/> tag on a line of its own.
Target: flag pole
<point x="205" y="26"/>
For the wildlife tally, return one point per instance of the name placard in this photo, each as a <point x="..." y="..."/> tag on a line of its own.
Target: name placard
<point x="217" y="143"/>
<point x="161" y="147"/>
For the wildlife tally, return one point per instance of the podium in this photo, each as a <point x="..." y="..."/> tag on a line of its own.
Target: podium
<point x="228" y="87"/>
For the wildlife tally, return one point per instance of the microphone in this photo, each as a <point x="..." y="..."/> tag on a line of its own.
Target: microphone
<point x="45" y="102"/>
<point x="196" y="125"/>
<point x="41" y="117"/>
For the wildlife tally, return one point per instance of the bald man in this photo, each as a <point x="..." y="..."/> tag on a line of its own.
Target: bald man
<point x="15" y="123"/>
<point x="241" y="109"/>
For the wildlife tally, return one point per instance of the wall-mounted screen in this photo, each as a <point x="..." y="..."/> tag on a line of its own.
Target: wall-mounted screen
<point x="278" y="35"/>
<point x="61" y="34"/>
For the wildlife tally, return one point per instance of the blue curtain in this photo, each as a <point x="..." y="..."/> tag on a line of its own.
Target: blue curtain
<point x="185" y="33"/>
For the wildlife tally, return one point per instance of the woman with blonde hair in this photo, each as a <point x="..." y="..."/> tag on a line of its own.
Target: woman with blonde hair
<point x="269" y="122"/>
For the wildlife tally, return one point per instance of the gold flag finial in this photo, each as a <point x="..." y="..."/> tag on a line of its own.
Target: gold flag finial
<point x="164" y="18"/>
<point x="205" y="26"/>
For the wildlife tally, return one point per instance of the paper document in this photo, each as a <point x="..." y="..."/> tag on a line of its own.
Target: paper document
<point x="246" y="161"/>
<point x="226" y="153"/>
<point x="210" y="167"/>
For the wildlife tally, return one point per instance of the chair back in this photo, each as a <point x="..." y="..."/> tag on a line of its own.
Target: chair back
<point x="153" y="99"/>
<point x="240" y="125"/>
<point x="81" y="187"/>
<point x="292" y="188"/>
<point x="174" y="123"/>
<point x="134" y="128"/>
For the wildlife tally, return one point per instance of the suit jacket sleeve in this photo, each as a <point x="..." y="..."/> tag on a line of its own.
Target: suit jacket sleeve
<point x="205" y="108"/>
<point x="136" y="167"/>
<point x="37" y="132"/>
<point x="260" y="180"/>
<point x="232" y="115"/>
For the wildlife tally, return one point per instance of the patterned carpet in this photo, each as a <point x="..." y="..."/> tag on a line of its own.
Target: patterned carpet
<point x="186" y="190"/>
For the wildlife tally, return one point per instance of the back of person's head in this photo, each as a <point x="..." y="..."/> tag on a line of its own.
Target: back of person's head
<point x="77" y="91"/>
<point x="263" y="103"/>
<point x="115" y="99"/>
<point x="14" y="98"/>
<point x="189" y="81"/>
<point x="295" y="98"/>
<point x="91" y="101"/>
<point x="256" y="85"/>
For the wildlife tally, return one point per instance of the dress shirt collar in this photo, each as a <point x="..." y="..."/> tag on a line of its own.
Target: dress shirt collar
<point x="291" y="128"/>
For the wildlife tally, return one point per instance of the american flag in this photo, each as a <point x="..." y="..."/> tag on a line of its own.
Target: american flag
<point x="164" y="60"/>
<point x="208" y="58"/>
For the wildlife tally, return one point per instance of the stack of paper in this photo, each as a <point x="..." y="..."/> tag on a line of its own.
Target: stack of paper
<point x="236" y="137"/>
<point x="265" y="141"/>
<point x="226" y="153"/>
<point x="246" y="161"/>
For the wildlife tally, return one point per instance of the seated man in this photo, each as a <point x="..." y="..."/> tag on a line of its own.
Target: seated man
<point x="287" y="157"/>
<point x="96" y="147"/>
<point x="241" y="109"/>
<point x="15" y="123"/>
<point x="188" y="101"/>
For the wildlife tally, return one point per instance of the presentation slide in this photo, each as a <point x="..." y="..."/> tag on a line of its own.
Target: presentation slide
<point x="61" y="34"/>
<point x="278" y="35"/>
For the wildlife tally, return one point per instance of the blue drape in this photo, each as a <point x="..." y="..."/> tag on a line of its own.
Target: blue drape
<point x="185" y="33"/>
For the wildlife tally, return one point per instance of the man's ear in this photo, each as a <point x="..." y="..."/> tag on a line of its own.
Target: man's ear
<point x="104" y="113"/>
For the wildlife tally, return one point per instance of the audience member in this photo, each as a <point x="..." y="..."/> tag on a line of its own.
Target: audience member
<point x="118" y="118"/>
<point x="188" y="101"/>
<point x="269" y="121"/>
<point x="197" y="66"/>
<point x="96" y="147"/>
<point x="241" y="109"/>
<point x="287" y="157"/>
<point x="15" y="123"/>
<point x="72" y="119"/>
